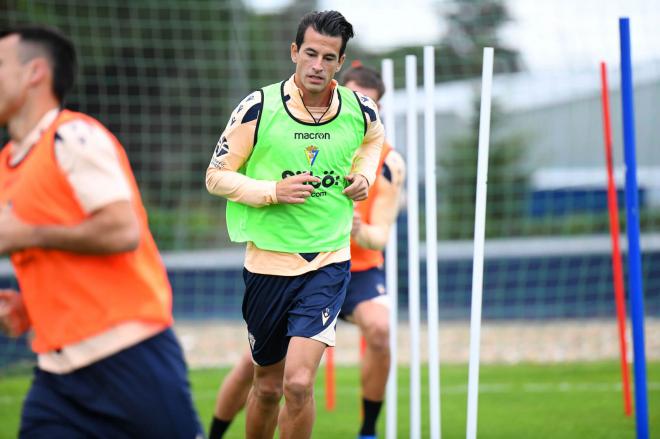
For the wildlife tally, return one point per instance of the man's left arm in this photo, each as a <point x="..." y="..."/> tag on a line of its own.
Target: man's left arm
<point x="113" y="228"/>
<point x="365" y="161"/>
<point x="385" y="206"/>
<point x="90" y="161"/>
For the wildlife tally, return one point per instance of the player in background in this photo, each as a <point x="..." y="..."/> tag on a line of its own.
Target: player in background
<point x="291" y="161"/>
<point x="366" y="303"/>
<point x="93" y="287"/>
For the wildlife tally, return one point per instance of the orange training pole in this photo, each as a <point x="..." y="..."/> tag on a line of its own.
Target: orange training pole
<point x="614" y="233"/>
<point x="330" y="379"/>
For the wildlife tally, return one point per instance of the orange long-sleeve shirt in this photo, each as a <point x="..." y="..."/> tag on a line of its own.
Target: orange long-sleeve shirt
<point x="377" y="213"/>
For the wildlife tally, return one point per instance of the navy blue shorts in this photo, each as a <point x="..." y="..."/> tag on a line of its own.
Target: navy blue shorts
<point x="140" y="392"/>
<point x="364" y="285"/>
<point x="277" y="308"/>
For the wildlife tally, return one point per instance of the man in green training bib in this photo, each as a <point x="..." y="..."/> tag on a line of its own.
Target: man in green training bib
<point x="291" y="161"/>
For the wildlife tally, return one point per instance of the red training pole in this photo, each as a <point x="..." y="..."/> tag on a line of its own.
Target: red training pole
<point x="330" y="379"/>
<point x="363" y="349"/>
<point x="614" y="233"/>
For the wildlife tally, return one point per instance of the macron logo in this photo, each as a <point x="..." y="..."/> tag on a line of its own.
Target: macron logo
<point x="309" y="136"/>
<point x="325" y="315"/>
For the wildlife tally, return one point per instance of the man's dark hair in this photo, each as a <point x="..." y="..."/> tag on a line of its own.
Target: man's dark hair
<point x="364" y="77"/>
<point x="53" y="45"/>
<point x="330" y="23"/>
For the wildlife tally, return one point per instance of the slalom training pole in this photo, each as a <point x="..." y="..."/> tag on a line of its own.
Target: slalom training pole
<point x="431" y="241"/>
<point x="617" y="267"/>
<point x="391" y="265"/>
<point x="634" y="253"/>
<point x="479" y="238"/>
<point x="330" y="379"/>
<point x="413" y="246"/>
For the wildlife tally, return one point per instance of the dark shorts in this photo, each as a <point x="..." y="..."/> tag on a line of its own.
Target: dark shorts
<point x="364" y="285"/>
<point x="277" y="308"/>
<point x="140" y="392"/>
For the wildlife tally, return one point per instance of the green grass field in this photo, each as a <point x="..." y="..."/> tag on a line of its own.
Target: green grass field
<point x="522" y="401"/>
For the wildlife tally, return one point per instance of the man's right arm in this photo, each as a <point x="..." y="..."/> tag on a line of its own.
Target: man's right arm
<point x="14" y="320"/>
<point x="230" y="154"/>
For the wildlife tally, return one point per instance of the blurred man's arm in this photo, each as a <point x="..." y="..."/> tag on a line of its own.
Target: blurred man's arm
<point x="110" y="229"/>
<point x="14" y="320"/>
<point x="89" y="159"/>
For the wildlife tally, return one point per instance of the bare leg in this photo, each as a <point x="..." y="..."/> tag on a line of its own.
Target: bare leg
<point x="264" y="401"/>
<point x="302" y="361"/>
<point x="373" y="319"/>
<point x="234" y="389"/>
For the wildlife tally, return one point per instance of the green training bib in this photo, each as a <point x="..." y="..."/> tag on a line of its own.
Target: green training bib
<point x="286" y="146"/>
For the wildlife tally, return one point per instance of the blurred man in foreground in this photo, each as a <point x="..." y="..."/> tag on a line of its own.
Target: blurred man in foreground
<point x="93" y="286"/>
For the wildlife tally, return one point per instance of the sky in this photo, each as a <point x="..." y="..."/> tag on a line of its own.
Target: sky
<point x="567" y="33"/>
<point x="551" y="34"/>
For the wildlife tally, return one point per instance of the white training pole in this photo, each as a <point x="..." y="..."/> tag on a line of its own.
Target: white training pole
<point x="431" y="241"/>
<point x="479" y="237"/>
<point x="391" y="266"/>
<point x="413" y="245"/>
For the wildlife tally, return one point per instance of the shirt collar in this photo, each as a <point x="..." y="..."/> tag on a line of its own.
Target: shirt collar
<point x="296" y="93"/>
<point x="20" y="149"/>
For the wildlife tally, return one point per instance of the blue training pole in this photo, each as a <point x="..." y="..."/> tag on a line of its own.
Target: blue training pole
<point x="632" y="216"/>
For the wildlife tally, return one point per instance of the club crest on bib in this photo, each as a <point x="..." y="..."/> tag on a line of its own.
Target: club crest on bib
<point x="311" y="152"/>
